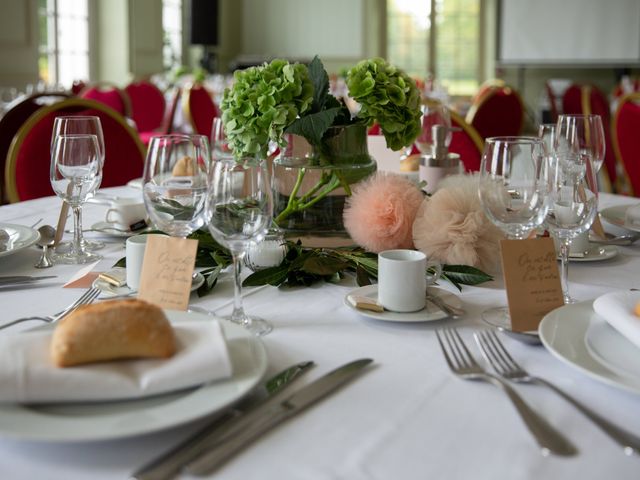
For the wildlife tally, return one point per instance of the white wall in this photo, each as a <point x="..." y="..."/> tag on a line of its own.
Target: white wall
<point x="18" y="43"/>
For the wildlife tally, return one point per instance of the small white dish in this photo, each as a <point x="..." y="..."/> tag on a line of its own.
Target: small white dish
<point x="107" y="290"/>
<point x="428" y="314"/>
<point x="20" y="237"/>
<point x="112" y="230"/>
<point x="596" y="253"/>
<point x="564" y="333"/>
<point x="612" y="348"/>
<point x="617" y="216"/>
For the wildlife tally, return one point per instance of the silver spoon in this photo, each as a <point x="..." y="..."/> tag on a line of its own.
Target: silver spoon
<point x="626" y="239"/>
<point x="47" y="238"/>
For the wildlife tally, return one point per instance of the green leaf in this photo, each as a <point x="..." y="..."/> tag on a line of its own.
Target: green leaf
<point x="313" y="126"/>
<point x="269" y="276"/>
<point x="362" y="277"/>
<point x="320" y="81"/>
<point x="465" y="275"/>
<point x="323" y="265"/>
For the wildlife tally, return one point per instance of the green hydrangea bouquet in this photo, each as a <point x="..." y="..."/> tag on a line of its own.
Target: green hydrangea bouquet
<point x="278" y="98"/>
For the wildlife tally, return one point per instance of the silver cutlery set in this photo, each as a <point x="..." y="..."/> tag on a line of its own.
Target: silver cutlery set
<point x="462" y="363"/>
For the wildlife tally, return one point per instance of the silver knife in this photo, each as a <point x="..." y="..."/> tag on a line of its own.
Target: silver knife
<point x="251" y="427"/>
<point x="447" y="308"/>
<point x="169" y="463"/>
<point x="10" y="280"/>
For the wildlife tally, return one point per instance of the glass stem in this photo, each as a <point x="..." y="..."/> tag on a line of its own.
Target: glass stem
<point x="565" y="245"/>
<point x="238" y="315"/>
<point x="77" y="229"/>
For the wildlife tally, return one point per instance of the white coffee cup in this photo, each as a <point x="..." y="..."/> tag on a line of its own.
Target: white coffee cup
<point x="125" y="212"/>
<point x="135" y="247"/>
<point x="403" y="279"/>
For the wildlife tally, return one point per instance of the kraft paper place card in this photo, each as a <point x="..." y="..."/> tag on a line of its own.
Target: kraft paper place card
<point x="166" y="271"/>
<point x="532" y="280"/>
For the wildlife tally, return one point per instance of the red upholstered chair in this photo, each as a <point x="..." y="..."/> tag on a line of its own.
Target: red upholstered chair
<point x="18" y="113"/>
<point x="626" y="139"/>
<point x="147" y="105"/>
<point x="27" y="170"/>
<point x="110" y="95"/>
<point x="589" y="99"/>
<point x="466" y="142"/>
<point x="199" y="109"/>
<point x="166" y="126"/>
<point x="498" y="111"/>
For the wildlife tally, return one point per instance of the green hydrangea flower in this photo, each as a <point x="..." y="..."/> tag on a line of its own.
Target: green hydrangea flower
<point x="264" y="100"/>
<point x="388" y="96"/>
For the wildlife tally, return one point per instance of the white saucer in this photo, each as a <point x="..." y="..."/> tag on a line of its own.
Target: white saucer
<point x="616" y="216"/>
<point x="596" y="253"/>
<point x="428" y="314"/>
<point x="107" y="290"/>
<point x="115" y="231"/>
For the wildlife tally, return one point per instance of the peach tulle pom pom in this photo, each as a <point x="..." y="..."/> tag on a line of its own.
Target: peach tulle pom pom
<point x="379" y="214"/>
<point x="452" y="227"/>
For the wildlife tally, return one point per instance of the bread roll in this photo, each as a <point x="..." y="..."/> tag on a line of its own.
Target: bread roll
<point x="637" y="309"/>
<point x="112" y="330"/>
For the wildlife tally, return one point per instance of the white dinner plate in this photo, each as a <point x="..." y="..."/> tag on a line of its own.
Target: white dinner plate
<point x="112" y="230"/>
<point x="428" y="314"/>
<point x="110" y="420"/>
<point x="20" y="237"/>
<point x="564" y="333"/>
<point x="616" y="216"/>
<point x="612" y="348"/>
<point x="596" y="253"/>
<point x="107" y="290"/>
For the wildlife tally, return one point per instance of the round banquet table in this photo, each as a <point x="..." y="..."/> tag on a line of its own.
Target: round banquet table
<point x="408" y="417"/>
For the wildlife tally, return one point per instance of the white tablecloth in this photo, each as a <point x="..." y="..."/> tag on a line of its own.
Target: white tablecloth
<point x="407" y="418"/>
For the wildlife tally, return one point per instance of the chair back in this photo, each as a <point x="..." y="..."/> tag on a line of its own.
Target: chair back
<point x="199" y="109"/>
<point x="587" y="100"/>
<point x="626" y="141"/>
<point x="110" y="95"/>
<point x="29" y="157"/>
<point x="18" y="113"/>
<point x="496" y="112"/>
<point x="147" y="105"/>
<point x="466" y="142"/>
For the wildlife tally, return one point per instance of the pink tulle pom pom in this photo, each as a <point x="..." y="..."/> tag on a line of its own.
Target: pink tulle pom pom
<point x="379" y="214"/>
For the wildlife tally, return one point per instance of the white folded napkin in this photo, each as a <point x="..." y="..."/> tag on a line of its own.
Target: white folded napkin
<point x="27" y="375"/>
<point x="632" y="216"/>
<point x="617" y="309"/>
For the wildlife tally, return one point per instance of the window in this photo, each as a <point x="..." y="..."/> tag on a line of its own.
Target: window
<point x="64" y="41"/>
<point x="439" y="38"/>
<point x="172" y="28"/>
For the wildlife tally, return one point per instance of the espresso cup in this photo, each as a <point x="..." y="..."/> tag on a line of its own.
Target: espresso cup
<point x="135" y="248"/>
<point x="403" y="279"/>
<point x="125" y="212"/>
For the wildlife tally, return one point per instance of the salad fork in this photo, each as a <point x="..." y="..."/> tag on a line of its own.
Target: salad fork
<point x="498" y="356"/>
<point x="87" y="297"/>
<point x="462" y="363"/>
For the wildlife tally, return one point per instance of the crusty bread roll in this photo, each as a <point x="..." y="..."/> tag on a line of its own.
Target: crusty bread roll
<point x="410" y="164"/>
<point x="112" y="330"/>
<point x="637" y="309"/>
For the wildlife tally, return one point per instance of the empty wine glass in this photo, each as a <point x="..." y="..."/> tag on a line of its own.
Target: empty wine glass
<point x="512" y="193"/>
<point x="573" y="198"/>
<point x="76" y="172"/>
<point x="433" y="113"/>
<point x="80" y="125"/>
<point x="219" y="145"/>
<point x="239" y="210"/>
<point x="175" y="182"/>
<point x="586" y="134"/>
<point x="547" y="132"/>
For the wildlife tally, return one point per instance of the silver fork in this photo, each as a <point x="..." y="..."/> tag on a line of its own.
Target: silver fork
<point x="498" y="356"/>
<point x="87" y="297"/>
<point x="462" y="363"/>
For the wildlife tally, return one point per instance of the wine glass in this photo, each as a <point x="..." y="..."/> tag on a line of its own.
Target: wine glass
<point x="547" y="132"/>
<point x="175" y="182"/>
<point x="239" y="210"/>
<point x="512" y="193"/>
<point x="433" y="113"/>
<point x="573" y="198"/>
<point x="586" y="133"/>
<point x="219" y="145"/>
<point x="76" y="172"/>
<point x="80" y="124"/>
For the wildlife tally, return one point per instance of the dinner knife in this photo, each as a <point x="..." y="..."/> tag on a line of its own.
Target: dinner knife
<point x="251" y="427"/>
<point x="168" y="464"/>
<point x="10" y="280"/>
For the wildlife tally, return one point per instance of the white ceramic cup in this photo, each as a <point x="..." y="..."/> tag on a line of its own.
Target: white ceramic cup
<point x="403" y="279"/>
<point x="125" y="212"/>
<point x="135" y="248"/>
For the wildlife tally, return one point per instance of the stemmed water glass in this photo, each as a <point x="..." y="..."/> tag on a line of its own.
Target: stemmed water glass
<point x="586" y="134"/>
<point x="512" y="193"/>
<point x="80" y="125"/>
<point x="76" y="172"/>
<point x="573" y="197"/>
<point x="239" y="211"/>
<point x="175" y="182"/>
<point x="433" y="113"/>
